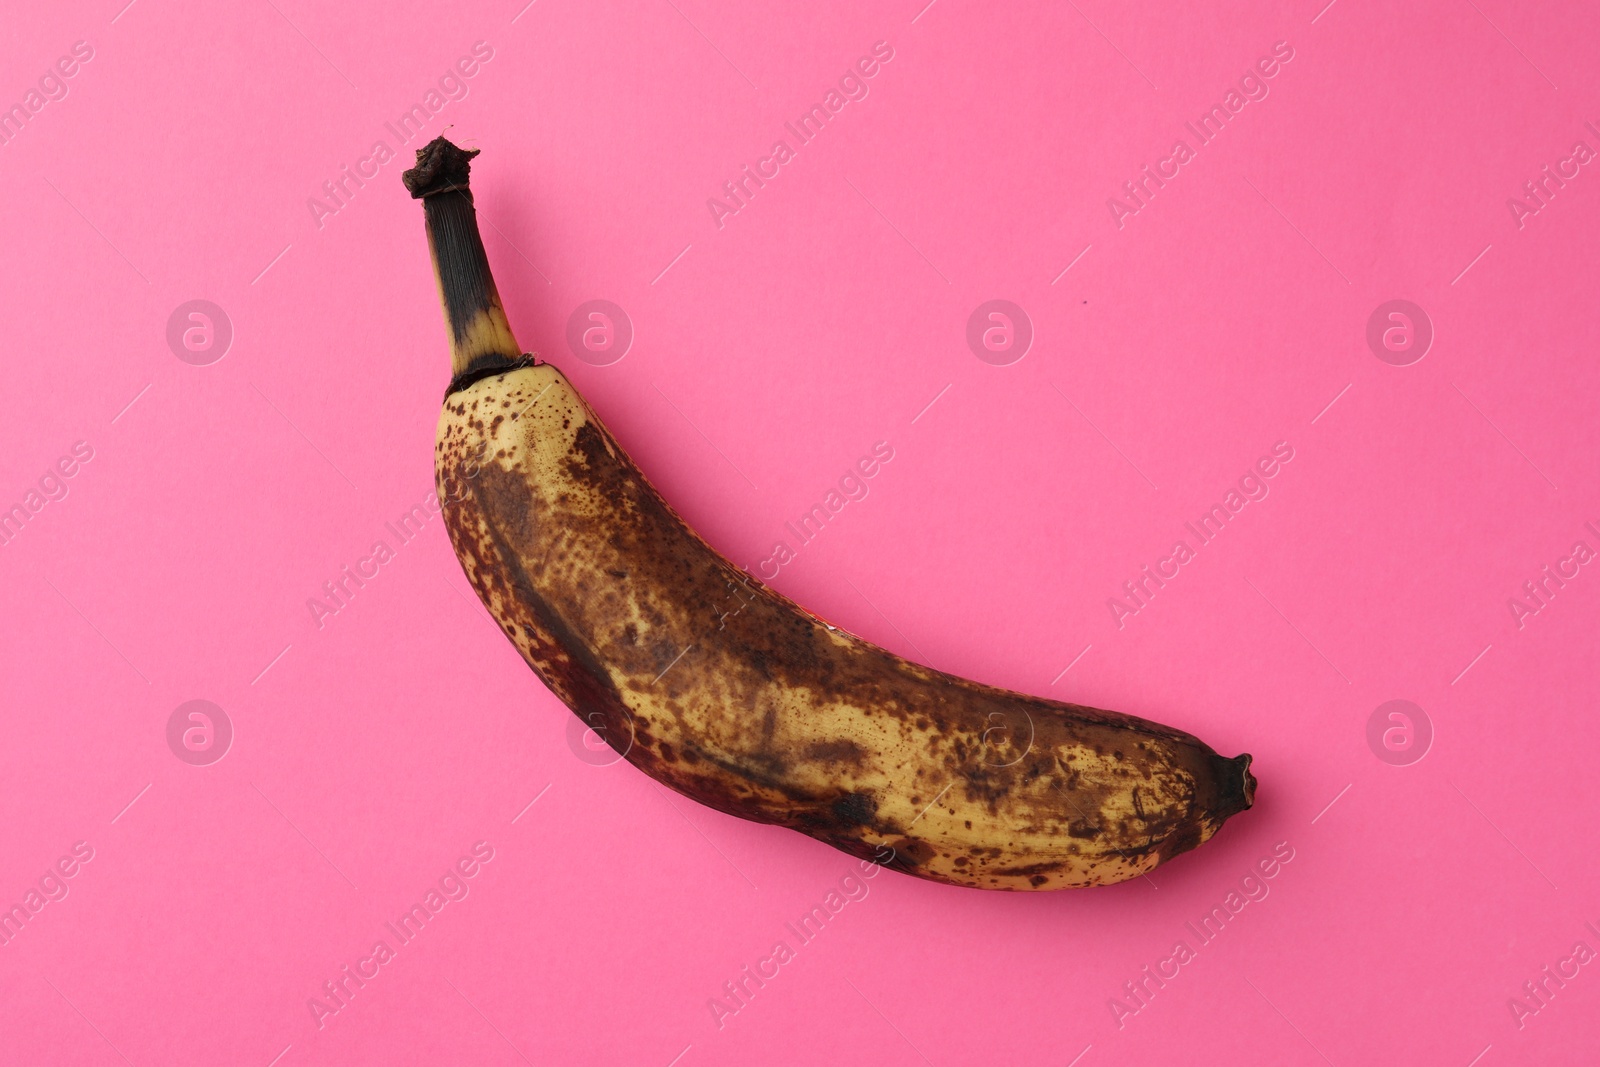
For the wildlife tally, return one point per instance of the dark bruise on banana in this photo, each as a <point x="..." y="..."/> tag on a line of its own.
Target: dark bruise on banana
<point x="733" y="695"/>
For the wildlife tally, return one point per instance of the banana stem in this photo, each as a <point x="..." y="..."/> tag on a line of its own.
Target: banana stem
<point x="481" y="340"/>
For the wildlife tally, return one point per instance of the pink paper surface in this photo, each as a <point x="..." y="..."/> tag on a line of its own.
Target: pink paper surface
<point x="1430" y="910"/>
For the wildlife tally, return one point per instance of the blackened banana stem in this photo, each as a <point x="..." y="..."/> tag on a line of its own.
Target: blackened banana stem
<point x="481" y="340"/>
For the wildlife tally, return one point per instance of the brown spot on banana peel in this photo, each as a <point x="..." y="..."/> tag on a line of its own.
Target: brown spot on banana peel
<point x="731" y="694"/>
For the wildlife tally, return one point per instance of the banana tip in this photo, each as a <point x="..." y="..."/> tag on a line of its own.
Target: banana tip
<point x="1247" y="782"/>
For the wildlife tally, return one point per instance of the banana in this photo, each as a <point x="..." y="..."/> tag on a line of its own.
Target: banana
<point x="733" y="695"/>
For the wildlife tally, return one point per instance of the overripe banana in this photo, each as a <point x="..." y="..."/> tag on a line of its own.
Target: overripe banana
<point x="730" y="693"/>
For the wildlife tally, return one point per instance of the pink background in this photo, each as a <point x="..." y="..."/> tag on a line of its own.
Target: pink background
<point x="1225" y="316"/>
